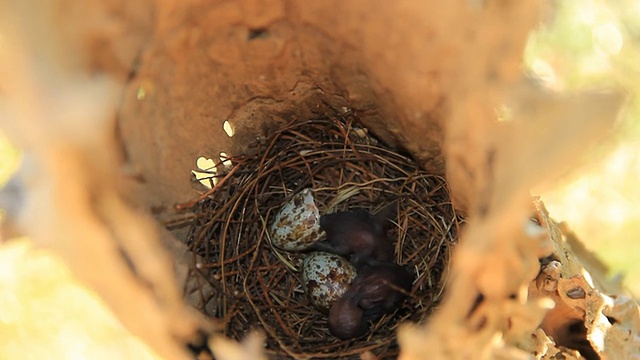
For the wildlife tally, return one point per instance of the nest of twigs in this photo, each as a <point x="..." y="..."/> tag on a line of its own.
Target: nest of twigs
<point x="258" y="286"/>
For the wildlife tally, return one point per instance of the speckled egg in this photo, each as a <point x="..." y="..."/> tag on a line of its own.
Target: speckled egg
<point x="326" y="277"/>
<point x="297" y="224"/>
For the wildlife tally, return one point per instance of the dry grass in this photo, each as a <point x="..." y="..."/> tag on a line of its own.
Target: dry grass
<point x="258" y="286"/>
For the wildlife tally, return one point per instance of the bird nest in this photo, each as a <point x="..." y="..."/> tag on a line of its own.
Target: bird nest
<point x="257" y="286"/>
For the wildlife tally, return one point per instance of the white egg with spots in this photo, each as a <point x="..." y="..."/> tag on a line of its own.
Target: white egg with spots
<point x="297" y="224"/>
<point x="325" y="278"/>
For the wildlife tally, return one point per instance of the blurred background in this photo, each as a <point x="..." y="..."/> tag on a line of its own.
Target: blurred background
<point x="580" y="44"/>
<point x="587" y="44"/>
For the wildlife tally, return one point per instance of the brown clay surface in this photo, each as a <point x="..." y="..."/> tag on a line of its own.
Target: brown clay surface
<point x="260" y="63"/>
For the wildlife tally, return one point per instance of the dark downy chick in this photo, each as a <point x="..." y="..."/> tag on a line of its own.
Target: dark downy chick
<point x="357" y="235"/>
<point x="372" y="294"/>
<point x="377" y="288"/>
<point x="346" y="318"/>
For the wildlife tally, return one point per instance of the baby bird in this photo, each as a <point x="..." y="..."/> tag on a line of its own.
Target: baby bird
<point x="357" y="235"/>
<point x="373" y="293"/>
<point x="346" y="318"/>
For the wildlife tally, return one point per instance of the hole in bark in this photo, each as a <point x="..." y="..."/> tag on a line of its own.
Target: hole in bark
<point x="258" y="33"/>
<point x="577" y="293"/>
<point x="228" y="128"/>
<point x="577" y="339"/>
<point x="476" y="304"/>
<point x="207" y="172"/>
<point x="547" y="260"/>
<point x="225" y="159"/>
